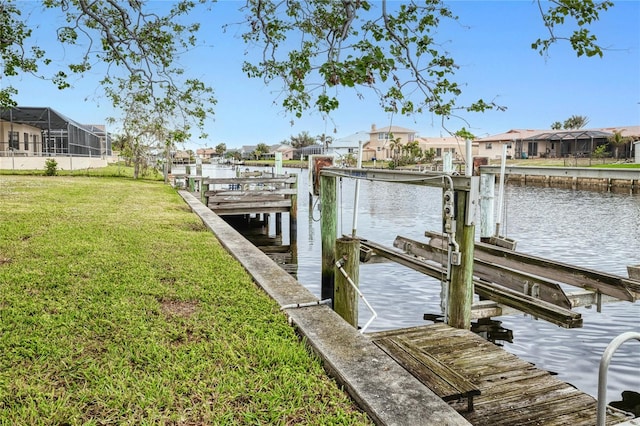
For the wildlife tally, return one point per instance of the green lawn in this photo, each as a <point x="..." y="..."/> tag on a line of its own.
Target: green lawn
<point x="117" y="306"/>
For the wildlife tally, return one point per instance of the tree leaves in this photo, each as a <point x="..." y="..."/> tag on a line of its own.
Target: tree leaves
<point x="583" y="12"/>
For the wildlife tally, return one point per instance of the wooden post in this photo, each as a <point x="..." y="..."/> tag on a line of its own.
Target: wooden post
<point x="487" y="195"/>
<point x="328" y="232"/>
<point x="204" y="187"/>
<point x="192" y="184"/>
<point x="460" y="295"/>
<point x="293" y="216"/>
<point x="278" y="223"/>
<point x="347" y="251"/>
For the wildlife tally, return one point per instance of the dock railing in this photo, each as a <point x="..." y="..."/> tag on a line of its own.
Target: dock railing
<point x="604" y="367"/>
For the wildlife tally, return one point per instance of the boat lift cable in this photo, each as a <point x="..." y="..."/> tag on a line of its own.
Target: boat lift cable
<point x="374" y="315"/>
<point x="317" y="204"/>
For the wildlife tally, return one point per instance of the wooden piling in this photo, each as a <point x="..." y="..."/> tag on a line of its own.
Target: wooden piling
<point x="487" y="196"/>
<point x="328" y="232"/>
<point x="293" y="215"/>
<point x="204" y="187"/>
<point x="345" y="301"/>
<point x="460" y="296"/>
<point x="278" y="223"/>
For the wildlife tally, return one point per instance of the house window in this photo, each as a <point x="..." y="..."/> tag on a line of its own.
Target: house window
<point x="378" y="148"/>
<point x="489" y="145"/>
<point x="383" y="136"/>
<point x="14" y="142"/>
<point x="438" y="152"/>
<point x="26" y="141"/>
<point x="411" y="137"/>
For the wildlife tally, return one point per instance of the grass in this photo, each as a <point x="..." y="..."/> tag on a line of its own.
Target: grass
<point x="117" y="306"/>
<point x="111" y="170"/>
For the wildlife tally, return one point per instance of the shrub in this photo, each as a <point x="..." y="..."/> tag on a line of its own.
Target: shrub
<point x="51" y="167"/>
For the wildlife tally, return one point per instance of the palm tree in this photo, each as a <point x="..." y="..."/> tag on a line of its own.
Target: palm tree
<point x="576" y="122"/>
<point x="325" y="141"/>
<point x="617" y="140"/>
<point x="395" y="146"/>
<point x="261" y="149"/>
<point x="556" y="125"/>
<point x="221" y="148"/>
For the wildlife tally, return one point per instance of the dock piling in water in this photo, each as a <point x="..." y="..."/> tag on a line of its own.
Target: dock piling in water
<point x="347" y="253"/>
<point x="328" y="232"/>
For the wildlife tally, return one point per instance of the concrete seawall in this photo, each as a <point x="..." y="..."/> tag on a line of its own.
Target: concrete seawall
<point x="380" y="386"/>
<point x="587" y="178"/>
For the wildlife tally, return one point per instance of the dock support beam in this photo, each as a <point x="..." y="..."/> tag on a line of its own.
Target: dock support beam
<point x="293" y="217"/>
<point x="487" y="196"/>
<point x="328" y="232"/>
<point x="347" y="251"/>
<point x="460" y="296"/>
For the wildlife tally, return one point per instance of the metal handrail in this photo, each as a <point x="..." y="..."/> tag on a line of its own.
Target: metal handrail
<point x="602" y="375"/>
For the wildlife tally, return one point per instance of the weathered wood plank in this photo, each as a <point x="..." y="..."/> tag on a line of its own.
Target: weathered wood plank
<point x="251" y="180"/>
<point x="557" y="403"/>
<point x="539" y="308"/>
<point x="444" y="381"/>
<point x="548" y="290"/>
<point x="527" y="390"/>
<point x="524" y="303"/>
<point x="512" y="391"/>
<point x="266" y="205"/>
<point x="237" y="199"/>
<point x="251" y="193"/>
<point x="609" y="284"/>
<point x="425" y="374"/>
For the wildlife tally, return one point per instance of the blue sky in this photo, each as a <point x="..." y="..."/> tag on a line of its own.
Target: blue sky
<point x="491" y="43"/>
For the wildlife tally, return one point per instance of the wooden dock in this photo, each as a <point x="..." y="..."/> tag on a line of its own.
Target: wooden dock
<point x="511" y="391"/>
<point x="250" y="195"/>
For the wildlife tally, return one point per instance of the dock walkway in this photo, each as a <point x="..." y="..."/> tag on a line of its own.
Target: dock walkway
<point x="512" y="391"/>
<point x="504" y="389"/>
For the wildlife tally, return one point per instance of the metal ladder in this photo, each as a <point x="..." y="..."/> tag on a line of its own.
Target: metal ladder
<point x="604" y="367"/>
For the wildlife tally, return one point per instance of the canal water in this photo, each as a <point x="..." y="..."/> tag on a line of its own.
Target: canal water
<point x="596" y="230"/>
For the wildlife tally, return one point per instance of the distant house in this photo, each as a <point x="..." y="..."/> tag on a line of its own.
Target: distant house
<point x="206" y="153"/>
<point x="440" y="145"/>
<point x="491" y="146"/>
<point x="246" y="151"/>
<point x="554" y="143"/>
<point x="306" y="151"/>
<point x="42" y="131"/>
<point x="382" y="141"/>
<point x="348" y="145"/>
<point x="287" y="151"/>
<point x="182" y="157"/>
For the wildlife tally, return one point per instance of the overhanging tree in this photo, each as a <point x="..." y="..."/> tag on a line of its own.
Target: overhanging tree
<point x="317" y="47"/>
<point x="135" y="48"/>
<point x="314" y="48"/>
